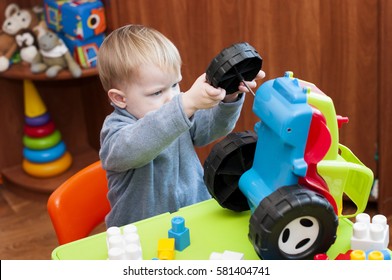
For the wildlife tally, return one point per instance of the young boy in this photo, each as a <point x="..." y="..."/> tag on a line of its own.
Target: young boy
<point x="147" y="143"/>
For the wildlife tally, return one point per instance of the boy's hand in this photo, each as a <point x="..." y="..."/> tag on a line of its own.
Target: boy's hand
<point x="242" y="88"/>
<point x="201" y="96"/>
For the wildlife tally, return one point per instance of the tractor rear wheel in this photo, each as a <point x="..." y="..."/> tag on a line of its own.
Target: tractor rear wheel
<point x="227" y="161"/>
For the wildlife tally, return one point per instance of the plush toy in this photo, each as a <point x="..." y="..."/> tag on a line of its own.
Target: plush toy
<point x="28" y="45"/>
<point x="16" y="19"/>
<point x="54" y="56"/>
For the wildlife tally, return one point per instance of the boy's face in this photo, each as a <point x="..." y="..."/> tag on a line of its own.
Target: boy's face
<point x="149" y="91"/>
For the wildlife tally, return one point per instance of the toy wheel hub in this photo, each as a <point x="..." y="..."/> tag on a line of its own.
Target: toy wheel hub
<point x="299" y="235"/>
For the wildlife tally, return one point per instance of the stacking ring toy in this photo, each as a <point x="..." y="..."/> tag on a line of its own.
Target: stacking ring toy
<point x="39" y="131"/>
<point x="42" y="142"/>
<point x="47" y="155"/>
<point x="37" y="121"/>
<point x="50" y="169"/>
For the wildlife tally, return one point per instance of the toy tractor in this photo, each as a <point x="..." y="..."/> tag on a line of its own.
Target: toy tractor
<point x="292" y="172"/>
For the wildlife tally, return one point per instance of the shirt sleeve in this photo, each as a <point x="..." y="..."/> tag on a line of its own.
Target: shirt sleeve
<point x="128" y="143"/>
<point x="211" y="124"/>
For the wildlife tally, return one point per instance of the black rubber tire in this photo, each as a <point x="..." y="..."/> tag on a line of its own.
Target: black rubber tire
<point x="227" y="161"/>
<point x="269" y="223"/>
<point x="232" y="63"/>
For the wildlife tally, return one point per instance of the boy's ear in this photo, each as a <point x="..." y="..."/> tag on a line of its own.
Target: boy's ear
<point x="117" y="97"/>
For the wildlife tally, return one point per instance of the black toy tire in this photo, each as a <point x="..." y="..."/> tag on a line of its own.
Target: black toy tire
<point x="238" y="60"/>
<point x="269" y="229"/>
<point x="227" y="161"/>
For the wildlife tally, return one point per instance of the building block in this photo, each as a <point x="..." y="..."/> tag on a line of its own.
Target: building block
<point x="368" y="235"/>
<point x="166" y="248"/>
<point x="357" y="255"/>
<point x="123" y="245"/>
<point x="85" y="52"/>
<point x="83" y="20"/>
<point x="52" y="10"/>
<point x="180" y="233"/>
<point x="376" y="255"/>
<point x="227" y="255"/>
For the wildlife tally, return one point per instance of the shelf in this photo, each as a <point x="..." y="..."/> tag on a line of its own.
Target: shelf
<point x="15" y="176"/>
<point x="22" y="71"/>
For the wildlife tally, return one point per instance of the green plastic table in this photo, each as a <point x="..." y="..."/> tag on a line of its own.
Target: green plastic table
<point x="212" y="229"/>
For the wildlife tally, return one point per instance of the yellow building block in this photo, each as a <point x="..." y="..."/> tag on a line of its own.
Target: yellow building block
<point x="166" y="249"/>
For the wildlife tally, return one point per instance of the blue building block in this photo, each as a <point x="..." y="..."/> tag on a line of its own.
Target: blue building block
<point x="83" y="20"/>
<point x="85" y="52"/>
<point x="180" y="233"/>
<point x="52" y="10"/>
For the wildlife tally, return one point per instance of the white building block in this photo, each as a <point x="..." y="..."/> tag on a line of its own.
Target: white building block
<point x="368" y="235"/>
<point x="123" y="245"/>
<point x="227" y="255"/>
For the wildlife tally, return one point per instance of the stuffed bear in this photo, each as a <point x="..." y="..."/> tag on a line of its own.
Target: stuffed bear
<point x="16" y="19"/>
<point x="54" y="56"/>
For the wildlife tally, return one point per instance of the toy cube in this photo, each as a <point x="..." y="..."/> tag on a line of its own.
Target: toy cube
<point x="85" y="52"/>
<point x="83" y="20"/>
<point x="166" y="249"/>
<point x="52" y="10"/>
<point x="180" y="233"/>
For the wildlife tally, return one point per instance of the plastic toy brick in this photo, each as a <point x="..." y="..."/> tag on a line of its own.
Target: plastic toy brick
<point x="53" y="13"/>
<point x="123" y="245"/>
<point x="357" y="255"/>
<point x="180" y="233"/>
<point x="227" y="255"/>
<point x="166" y="249"/>
<point x="321" y="257"/>
<point x="83" y="20"/>
<point x="85" y="52"/>
<point x="373" y="254"/>
<point x="368" y="235"/>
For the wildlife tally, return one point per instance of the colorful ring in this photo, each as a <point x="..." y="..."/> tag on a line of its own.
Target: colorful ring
<point x="39" y="131"/>
<point x="47" y="155"/>
<point x="42" y="143"/>
<point x="37" y="121"/>
<point x="50" y="169"/>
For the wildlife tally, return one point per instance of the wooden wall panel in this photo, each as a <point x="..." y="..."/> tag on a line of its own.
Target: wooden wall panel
<point x="349" y="67"/>
<point x="384" y="109"/>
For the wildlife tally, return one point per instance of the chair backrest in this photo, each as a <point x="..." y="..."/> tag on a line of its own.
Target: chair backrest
<point x="80" y="204"/>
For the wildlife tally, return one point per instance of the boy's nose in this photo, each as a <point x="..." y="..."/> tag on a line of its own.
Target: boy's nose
<point x="170" y="96"/>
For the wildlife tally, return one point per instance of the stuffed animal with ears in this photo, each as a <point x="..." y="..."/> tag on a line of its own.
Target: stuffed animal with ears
<point x="54" y="56"/>
<point x="28" y="45"/>
<point x="16" y="19"/>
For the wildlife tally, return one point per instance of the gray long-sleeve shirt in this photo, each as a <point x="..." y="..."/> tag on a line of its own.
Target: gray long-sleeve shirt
<point x="151" y="163"/>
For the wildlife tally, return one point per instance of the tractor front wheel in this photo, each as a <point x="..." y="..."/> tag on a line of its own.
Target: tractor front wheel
<point x="293" y="223"/>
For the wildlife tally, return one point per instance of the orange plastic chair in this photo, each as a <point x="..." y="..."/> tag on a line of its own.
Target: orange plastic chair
<point x="79" y="204"/>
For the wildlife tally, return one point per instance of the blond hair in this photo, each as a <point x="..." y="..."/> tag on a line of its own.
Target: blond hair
<point x="130" y="46"/>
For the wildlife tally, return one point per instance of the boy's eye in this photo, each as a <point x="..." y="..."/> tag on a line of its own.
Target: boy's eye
<point x="157" y="93"/>
<point x="174" y="85"/>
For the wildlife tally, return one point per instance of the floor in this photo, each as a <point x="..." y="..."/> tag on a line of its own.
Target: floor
<point x="26" y="232"/>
